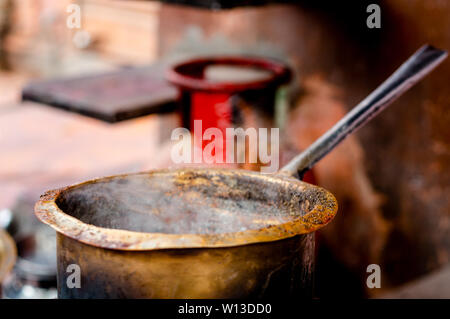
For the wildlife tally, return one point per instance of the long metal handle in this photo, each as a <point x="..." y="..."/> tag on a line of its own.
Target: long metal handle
<point x="410" y="72"/>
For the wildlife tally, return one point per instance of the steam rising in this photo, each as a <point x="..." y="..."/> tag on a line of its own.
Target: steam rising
<point x="182" y="203"/>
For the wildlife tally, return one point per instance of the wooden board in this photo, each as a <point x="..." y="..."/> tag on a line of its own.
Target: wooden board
<point x="111" y="97"/>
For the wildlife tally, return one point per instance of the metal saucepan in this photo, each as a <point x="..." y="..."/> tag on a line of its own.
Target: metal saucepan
<point x="204" y="233"/>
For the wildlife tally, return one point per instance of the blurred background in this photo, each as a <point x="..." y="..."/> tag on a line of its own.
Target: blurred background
<point x="78" y="101"/>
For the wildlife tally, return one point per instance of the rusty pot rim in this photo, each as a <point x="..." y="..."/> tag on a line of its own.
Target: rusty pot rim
<point x="47" y="211"/>
<point x="8" y="254"/>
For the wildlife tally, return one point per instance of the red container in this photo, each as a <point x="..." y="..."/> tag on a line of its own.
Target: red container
<point x="217" y="103"/>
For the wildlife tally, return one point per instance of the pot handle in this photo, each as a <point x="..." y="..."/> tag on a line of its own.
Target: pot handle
<point x="409" y="73"/>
